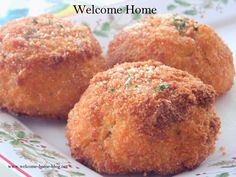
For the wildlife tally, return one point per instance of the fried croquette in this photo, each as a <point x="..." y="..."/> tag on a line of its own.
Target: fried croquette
<point x="179" y="42"/>
<point x="45" y="65"/>
<point x="143" y="117"/>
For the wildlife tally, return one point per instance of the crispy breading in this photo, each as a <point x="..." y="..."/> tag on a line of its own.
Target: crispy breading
<point x="45" y="65"/>
<point x="179" y="42"/>
<point x="143" y="117"/>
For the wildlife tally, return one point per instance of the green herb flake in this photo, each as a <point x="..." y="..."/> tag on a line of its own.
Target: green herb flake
<point x="112" y="90"/>
<point x="180" y="24"/>
<point x="162" y="87"/>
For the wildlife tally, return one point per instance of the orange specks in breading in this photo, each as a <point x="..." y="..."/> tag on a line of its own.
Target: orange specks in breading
<point x="143" y="117"/>
<point x="179" y="42"/>
<point x="46" y="64"/>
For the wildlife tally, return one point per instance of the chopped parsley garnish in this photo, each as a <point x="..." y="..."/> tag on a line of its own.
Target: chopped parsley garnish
<point x="162" y="87"/>
<point x="128" y="82"/>
<point x="112" y="90"/>
<point x="180" y="24"/>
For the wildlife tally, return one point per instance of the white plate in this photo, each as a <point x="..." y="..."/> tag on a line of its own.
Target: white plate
<point x="224" y="22"/>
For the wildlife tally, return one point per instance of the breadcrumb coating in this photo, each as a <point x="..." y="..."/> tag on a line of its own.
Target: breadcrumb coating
<point x="179" y="42"/>
<point x="45" y="65"/>
<point x="143" y="117"/>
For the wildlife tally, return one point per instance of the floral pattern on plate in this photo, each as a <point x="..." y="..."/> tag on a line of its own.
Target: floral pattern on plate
<point x="26" y="147"/>
<point x="35" y="151"/>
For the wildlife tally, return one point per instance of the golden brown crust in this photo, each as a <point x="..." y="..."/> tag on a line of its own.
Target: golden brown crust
<point x="179" y="42"/>
<point x="143" y="117"/>
<point x="46" y="38"/>
<point x="45" y="65"/>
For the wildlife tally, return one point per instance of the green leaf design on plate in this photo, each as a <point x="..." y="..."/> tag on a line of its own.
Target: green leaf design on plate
<point x="105" y="26"/>
<point x="14" y="142"/>
<point x="223" y="175"/>
<point x="53" y="153"/>
<point x="171" y="7"/>
<point x="50" y="173"/>
<point x="45" y="155"/>
<point x="224" y="1"/>
<point x="35" y="141"/>
<point x="136" y="16"/>
<point x="27" y="154"/>
<point x="190" y="12"/>
<point x="21" y="134"/>
<point x="182" y="3"/>
<point x="230" y="166"/>
<point x="225" y="163"/>
<point x="29" y="146"/>
<point x="73" y="173"/>
<point x="5" y="136"/>
<point x="2" y="133"/>
<point x="100" y="33"/>
<point x="60" y="175"/>
<point x="198" y="8"/>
